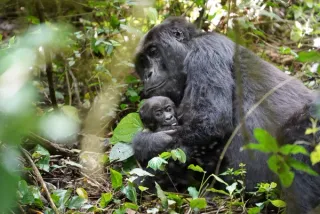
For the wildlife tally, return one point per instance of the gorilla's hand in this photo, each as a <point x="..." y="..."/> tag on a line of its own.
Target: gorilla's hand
<point x="147" y="145"/>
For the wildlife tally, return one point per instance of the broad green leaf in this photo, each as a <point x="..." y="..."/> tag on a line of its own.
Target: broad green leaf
<point x="157" y="163"/>
<point x="293" y="149"/>
<point x="195" y="168"/>
<point x="301" y="166"/>
<point x="193" y="192"/>
<point x="254" y="210"/>
<point x="315" y="155"/>
<point x="152" y="14"/>
<point x="130" y="193"/>
<point x="218" y="191"/>
<point x="140" y="172"/>
<point x="132" y="206"/>
<point x="178" y="154"/>
<point x="61" y="197"/>
<point x="162" y="196"/>
<point x="127" y="128"/>
<point x="105" y="199"/>
<point x="142" y="188"/>
<point x="121" y="152"/>
<point x="232" y="188"/>
<point x="76" y="202"/>
<point x="116" y="179"/>
<point x="82" y="193"/>
<point x="268" y="142"/>
<point x="277" y="164"/>
<point x="40" y="151"/>
<point x="176" y="198"/>
<point x="309" y="56"/>
<point x="198" y="203"/>
<point x="165" y="155"/>
<point x="278" y="203"/>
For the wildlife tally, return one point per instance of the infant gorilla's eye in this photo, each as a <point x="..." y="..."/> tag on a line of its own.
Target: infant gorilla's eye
<point x="158" y="114"/>
<point x="168" y="109"/>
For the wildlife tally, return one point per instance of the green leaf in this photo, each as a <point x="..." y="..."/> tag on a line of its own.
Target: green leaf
<point x="61" y="197"/>
<point x="127" y="128"/>
<point x="105" y="199"/>
<point x="142" y="188"/>
<point x="312" y="130"/>
<point x="309" y="56"/>
<point x="130" y="193"/>
<point x="268" y="142"/>
<point x="289" y="149"/>
<point x="162" y="196"/>
<point x="76" y="202"/>
<point x="165" y="155"/>
<point x="116" y="179"/>
<point x="82" y="193"/>
<point x="193" y="192"/>
<point x="140" y="172"/>
<point x="198" y="203"/>
<point x="178" y="154"/>
<point x="132" y="206"/>
<point x="315" y="155"/>
<point x="232" y="188"/>
<point x="72" y="112"/>
<point x="176" y="198"/>
<point x="301" y="166"/>
<point x="277" y="164"/>
<point x="254" y="210"/>
<point x="157" y="163"/>
<point x="219" y="179"/>
<point x="278" y="203"/>
<point x="121" y="152"/>
<point x="218" y="191"/>
<point x="196" y="168"/>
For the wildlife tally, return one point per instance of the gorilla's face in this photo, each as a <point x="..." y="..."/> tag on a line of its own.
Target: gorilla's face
<point x="160" y="58"/>
<point x="158" y="112"/>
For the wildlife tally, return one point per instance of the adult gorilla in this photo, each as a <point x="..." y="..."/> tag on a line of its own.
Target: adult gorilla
<point x="197" y="71"/>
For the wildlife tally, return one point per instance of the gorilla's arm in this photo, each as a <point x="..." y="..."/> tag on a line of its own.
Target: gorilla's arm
<point x="147" y="145"/>
<point x="207" y="105"/>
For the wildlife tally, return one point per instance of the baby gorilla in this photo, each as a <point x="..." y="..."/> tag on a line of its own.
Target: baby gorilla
<point x="159" y="117"/>
<point x="158" y="114"/>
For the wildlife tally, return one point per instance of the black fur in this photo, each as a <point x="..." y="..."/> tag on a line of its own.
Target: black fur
<point x="197" y="71"/>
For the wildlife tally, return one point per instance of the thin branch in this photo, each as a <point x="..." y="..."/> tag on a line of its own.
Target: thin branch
<point x="69" y="88"/>
<point x="53" y="148"/>
<point x="49" y="69"/>
<point x="40" y="179"/>
<point x="76" y="88"/>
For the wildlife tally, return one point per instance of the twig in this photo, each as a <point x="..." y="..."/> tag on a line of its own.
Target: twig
<point x="69" y="88"/>
<point x="40" y="11"/>
<point x="40" y="179"/>
<point x="95" y="182"/>
<point x="52" y="147"/>
<point x="76" y="88"/>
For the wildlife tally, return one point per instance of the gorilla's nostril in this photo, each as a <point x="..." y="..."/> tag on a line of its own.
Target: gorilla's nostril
<point x="149" y="74"/>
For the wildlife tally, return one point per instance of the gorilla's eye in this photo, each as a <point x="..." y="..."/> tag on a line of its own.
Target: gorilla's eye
<point x="158" y="114"/>
<point x="178" y="34"/>
<point x="168" y="109"/>
<point x="152" y="51"/>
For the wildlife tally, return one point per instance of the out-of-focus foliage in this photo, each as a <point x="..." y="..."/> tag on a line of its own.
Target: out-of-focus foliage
<point x="63" y="60"/>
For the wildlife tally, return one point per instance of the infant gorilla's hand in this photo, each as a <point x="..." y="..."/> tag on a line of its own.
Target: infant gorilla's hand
<point x="166" y="136"/>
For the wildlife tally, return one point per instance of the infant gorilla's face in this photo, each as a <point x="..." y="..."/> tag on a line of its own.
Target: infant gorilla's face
<point x="164" y="114"/>
<point x="158" y="112"/>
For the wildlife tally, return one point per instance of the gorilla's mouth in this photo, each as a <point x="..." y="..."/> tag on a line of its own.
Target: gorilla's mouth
<point x="156" y="86"/>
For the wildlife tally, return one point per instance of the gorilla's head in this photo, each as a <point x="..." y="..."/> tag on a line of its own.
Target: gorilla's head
<point x="160" y="57"/>
<point x="158" y="112"/>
